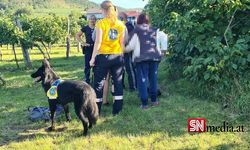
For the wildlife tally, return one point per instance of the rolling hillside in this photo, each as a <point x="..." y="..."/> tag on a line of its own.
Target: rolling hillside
<point x="38" y="4"/>
<point x="38" y="7"/>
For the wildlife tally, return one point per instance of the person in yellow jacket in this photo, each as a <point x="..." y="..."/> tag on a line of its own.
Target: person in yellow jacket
<point x="108" y="55"/>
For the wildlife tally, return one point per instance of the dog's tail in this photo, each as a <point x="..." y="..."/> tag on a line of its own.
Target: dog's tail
<point x="93" y="114"/>
<point x="92" y="108"/>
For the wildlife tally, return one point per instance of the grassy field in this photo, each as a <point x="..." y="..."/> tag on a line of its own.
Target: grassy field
<point x="163" y="127"/>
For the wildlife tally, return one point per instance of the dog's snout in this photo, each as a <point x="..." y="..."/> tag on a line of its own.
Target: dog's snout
<point x="32" y="75"/>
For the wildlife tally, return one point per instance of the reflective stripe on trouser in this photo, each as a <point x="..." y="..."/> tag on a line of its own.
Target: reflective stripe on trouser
<point x="118" y="97"/>
<point x="98" y="100"/>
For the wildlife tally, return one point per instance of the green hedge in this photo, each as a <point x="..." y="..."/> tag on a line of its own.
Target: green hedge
<point x="210" y="45"/>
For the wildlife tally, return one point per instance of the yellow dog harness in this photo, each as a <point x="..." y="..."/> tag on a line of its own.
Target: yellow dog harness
<point x="52" y="92"/>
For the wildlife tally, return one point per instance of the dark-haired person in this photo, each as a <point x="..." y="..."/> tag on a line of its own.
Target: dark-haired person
<point x="148" y="45"/>
<point x="87" y="46"/>
<point x="108" y="55"/>
<point x="129" y="66"/>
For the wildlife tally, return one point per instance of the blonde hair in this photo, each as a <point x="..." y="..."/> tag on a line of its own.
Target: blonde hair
<point x="110" y="9"/>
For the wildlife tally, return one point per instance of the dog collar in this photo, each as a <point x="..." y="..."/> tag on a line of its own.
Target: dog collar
<point x="57" y="82"/>
<point x="52" y="92"/>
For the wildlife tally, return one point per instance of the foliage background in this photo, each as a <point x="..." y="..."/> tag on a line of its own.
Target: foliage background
<point x="210" y="46"/>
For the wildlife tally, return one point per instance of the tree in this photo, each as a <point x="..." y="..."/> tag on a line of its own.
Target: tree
<point x="210" y="36"/>
<point x="9" y="35"/>
<point x="2" y="6"/>
<point x="210" y="42"/>
<point x="23" y="11"/>
<point x="1" y="54"/>
<point x="47" y="30"/>
<point x="27" y="26"/>
<point x="23" y="37"/>
<point x="72" y="28"/>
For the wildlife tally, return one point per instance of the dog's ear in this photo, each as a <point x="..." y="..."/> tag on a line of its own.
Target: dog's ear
<point x="46" y="63"/>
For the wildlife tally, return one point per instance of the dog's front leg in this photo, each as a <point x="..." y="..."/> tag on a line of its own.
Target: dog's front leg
<point x="52" y="107"/>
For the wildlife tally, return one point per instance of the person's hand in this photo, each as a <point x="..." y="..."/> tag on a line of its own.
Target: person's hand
<point x="87" y="45"/>
<point x="163" y="53"/>
<point x="92" y="62"/>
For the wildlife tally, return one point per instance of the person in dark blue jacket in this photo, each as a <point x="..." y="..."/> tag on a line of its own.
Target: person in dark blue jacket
<point x="87" y="45"/>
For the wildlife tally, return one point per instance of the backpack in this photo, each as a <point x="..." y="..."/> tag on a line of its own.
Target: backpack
<point x="42" y="113"/>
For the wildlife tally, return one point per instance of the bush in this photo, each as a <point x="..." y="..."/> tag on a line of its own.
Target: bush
<point x="210" y="44"/>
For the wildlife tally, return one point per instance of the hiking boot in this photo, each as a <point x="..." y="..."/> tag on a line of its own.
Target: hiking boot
<point x="117" y="107"/>
<point x="154" y="104"/>
<point x="99" y="104"/>
<point x="144" y="107"/>
<point x="106" y="104"/>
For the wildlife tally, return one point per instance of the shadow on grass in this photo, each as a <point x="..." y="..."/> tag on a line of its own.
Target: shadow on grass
<point x="169" y="118"/>
<point x="224" y="147"/>
<point x="132" y="121"/>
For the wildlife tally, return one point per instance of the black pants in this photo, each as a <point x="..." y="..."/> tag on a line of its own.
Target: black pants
<point x="130" y="69"/>
<point x="88" y="54"/>
<point x="114" y="64"/>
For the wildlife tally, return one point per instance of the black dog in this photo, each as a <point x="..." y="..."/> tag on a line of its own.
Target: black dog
<point x="68" y="91"/>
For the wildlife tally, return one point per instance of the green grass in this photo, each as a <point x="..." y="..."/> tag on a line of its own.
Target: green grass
<point x="163" y="127"/>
